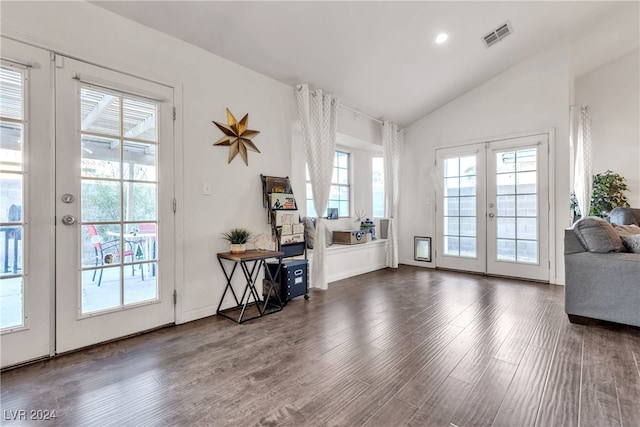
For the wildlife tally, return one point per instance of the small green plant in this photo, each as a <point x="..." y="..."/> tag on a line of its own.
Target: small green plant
<point x="608" y="193"/>
<point x="237" y="236"/>
<point x="575" y="208"/>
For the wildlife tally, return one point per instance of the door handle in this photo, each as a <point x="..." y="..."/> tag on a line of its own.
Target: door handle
<point x="68" y="220"/>
<point x="67" y="198"/>
<point x="491" y="215"/>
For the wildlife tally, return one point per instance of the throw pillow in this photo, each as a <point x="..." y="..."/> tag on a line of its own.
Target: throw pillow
<point x="309" y="231"/>
<point x="597" y="235"/>
<point x="328" y="236"/>
<point x="627" y="229"/>
<point x="632" y="242"/>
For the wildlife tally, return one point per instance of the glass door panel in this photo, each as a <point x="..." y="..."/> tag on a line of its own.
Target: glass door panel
<point x="460" y="201"/>
<point x="12" y="173"/>
<point x="119" y="186"/>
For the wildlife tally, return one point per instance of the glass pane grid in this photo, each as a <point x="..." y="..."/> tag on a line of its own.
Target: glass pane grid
<point x="118" y="200"/>
<point x="12" y="226"/>
<point x="377" y="187"/>
<point x="12" y="98"/>
<point x="460" y="207"/>
<point x="340" y="189"/>
<point x="517" y="212"/>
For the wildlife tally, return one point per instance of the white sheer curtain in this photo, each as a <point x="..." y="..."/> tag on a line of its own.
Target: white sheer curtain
<point x="392" y="143"/>
<point x="583" y="174"/>
<point x="318" y="118"/>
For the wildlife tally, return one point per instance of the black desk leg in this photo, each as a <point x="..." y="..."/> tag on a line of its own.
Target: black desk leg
<point x="250" y="277"/>
<point x="228" y="277"/>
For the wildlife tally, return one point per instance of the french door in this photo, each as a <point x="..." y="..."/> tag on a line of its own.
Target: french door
<point x="114" y="205"/>
<point x="492" y="212"/>
<point x="26" y="228"/>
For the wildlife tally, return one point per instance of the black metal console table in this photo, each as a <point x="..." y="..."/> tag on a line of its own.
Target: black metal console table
<point x="250" y="262"/>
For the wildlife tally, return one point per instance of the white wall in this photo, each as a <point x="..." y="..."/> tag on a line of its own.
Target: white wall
<point x="612" y="91"/>
<point x="207" y="85"/>
<point x="533" y="96"/>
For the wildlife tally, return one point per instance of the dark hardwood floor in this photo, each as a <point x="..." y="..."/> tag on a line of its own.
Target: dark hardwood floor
<point x="411" y="347"/>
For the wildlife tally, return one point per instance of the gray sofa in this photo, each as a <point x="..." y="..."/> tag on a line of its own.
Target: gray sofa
<point x="602" y="286"/>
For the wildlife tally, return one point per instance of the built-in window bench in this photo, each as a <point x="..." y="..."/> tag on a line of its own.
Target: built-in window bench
<point x="344" y="261"/>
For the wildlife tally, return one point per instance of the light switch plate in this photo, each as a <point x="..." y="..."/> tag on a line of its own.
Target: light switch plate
<point x="206" y="188"/>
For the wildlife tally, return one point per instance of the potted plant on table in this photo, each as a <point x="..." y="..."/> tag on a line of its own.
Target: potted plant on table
<point x="238" y="239"/>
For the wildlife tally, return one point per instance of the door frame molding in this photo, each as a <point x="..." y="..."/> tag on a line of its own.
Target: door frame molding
<point x="551" y="176"/>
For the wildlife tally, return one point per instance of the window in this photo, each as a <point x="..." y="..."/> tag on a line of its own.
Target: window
<point x="377" y="187"/>
<point x="340" y="189"/>
<point x="12" y="180"/>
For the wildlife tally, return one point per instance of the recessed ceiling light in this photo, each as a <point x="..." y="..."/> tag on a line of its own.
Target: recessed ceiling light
<point x="441" y="38"/>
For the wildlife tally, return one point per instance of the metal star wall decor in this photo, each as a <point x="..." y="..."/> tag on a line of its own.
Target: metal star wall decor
<point x="237" y="137"/>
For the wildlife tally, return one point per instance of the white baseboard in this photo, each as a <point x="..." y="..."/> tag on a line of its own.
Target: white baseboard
<point x="199" y="313"/>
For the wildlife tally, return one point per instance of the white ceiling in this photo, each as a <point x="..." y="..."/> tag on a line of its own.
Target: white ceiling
<point x="379" y="57"/>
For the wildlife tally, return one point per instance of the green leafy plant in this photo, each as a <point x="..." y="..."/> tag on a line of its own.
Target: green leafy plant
<point x="237" y="236"/>
<point x="608" y="193"/>
<point x="575" y="208"/>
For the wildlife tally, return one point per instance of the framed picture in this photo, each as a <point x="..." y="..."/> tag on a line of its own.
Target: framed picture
<point x="422" y="248"/>
<point x="276" y="184"/>
<point x="287" y="218"/>
<point x="332" y="213"/>
<point x="292" y="238"/>
<point x="284" y="201"/>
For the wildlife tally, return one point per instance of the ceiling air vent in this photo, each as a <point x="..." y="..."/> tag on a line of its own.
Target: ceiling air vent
<point x="498" y="34"/>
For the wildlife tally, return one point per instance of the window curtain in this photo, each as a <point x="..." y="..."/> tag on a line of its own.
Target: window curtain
<point x="583" y="174"/>
<point x="392" y="143"/>
<point x="318" y="119"/>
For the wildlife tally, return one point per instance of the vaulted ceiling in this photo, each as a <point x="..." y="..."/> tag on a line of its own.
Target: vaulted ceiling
<point x="380" y="57"/>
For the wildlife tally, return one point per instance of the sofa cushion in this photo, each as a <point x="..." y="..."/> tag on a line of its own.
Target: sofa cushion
<point x="597" y="235"/>
<point x="625" y="216"/>
<point x="626" y="229"/>
<point x="631" y="242"/>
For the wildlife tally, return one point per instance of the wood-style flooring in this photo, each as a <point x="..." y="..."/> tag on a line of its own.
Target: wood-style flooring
<point x="406" y="347"/>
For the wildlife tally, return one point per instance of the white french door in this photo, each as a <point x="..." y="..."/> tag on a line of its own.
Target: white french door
<point x="114" y="205"/>
<point x="461" y="227"/>
<point x="492" y="213"/>
<point x="26" y="229"/>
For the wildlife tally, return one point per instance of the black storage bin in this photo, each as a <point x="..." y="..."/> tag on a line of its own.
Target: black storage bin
<point x="292" y="281"/>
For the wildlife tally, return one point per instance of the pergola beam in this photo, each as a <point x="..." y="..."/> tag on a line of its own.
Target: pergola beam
<point x="97" y="110"/>
<point x="141" y="127"/>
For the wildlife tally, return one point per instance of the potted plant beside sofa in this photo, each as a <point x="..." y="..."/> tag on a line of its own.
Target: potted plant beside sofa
<point x="608" y="193"/>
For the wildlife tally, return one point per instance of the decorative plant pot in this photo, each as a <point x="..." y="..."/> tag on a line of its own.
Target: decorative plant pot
<point x="238" y="248"/>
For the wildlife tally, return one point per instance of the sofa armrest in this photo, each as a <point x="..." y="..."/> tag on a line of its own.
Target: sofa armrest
<point x="572" y="244"/>
<point x="603" y="286"/>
